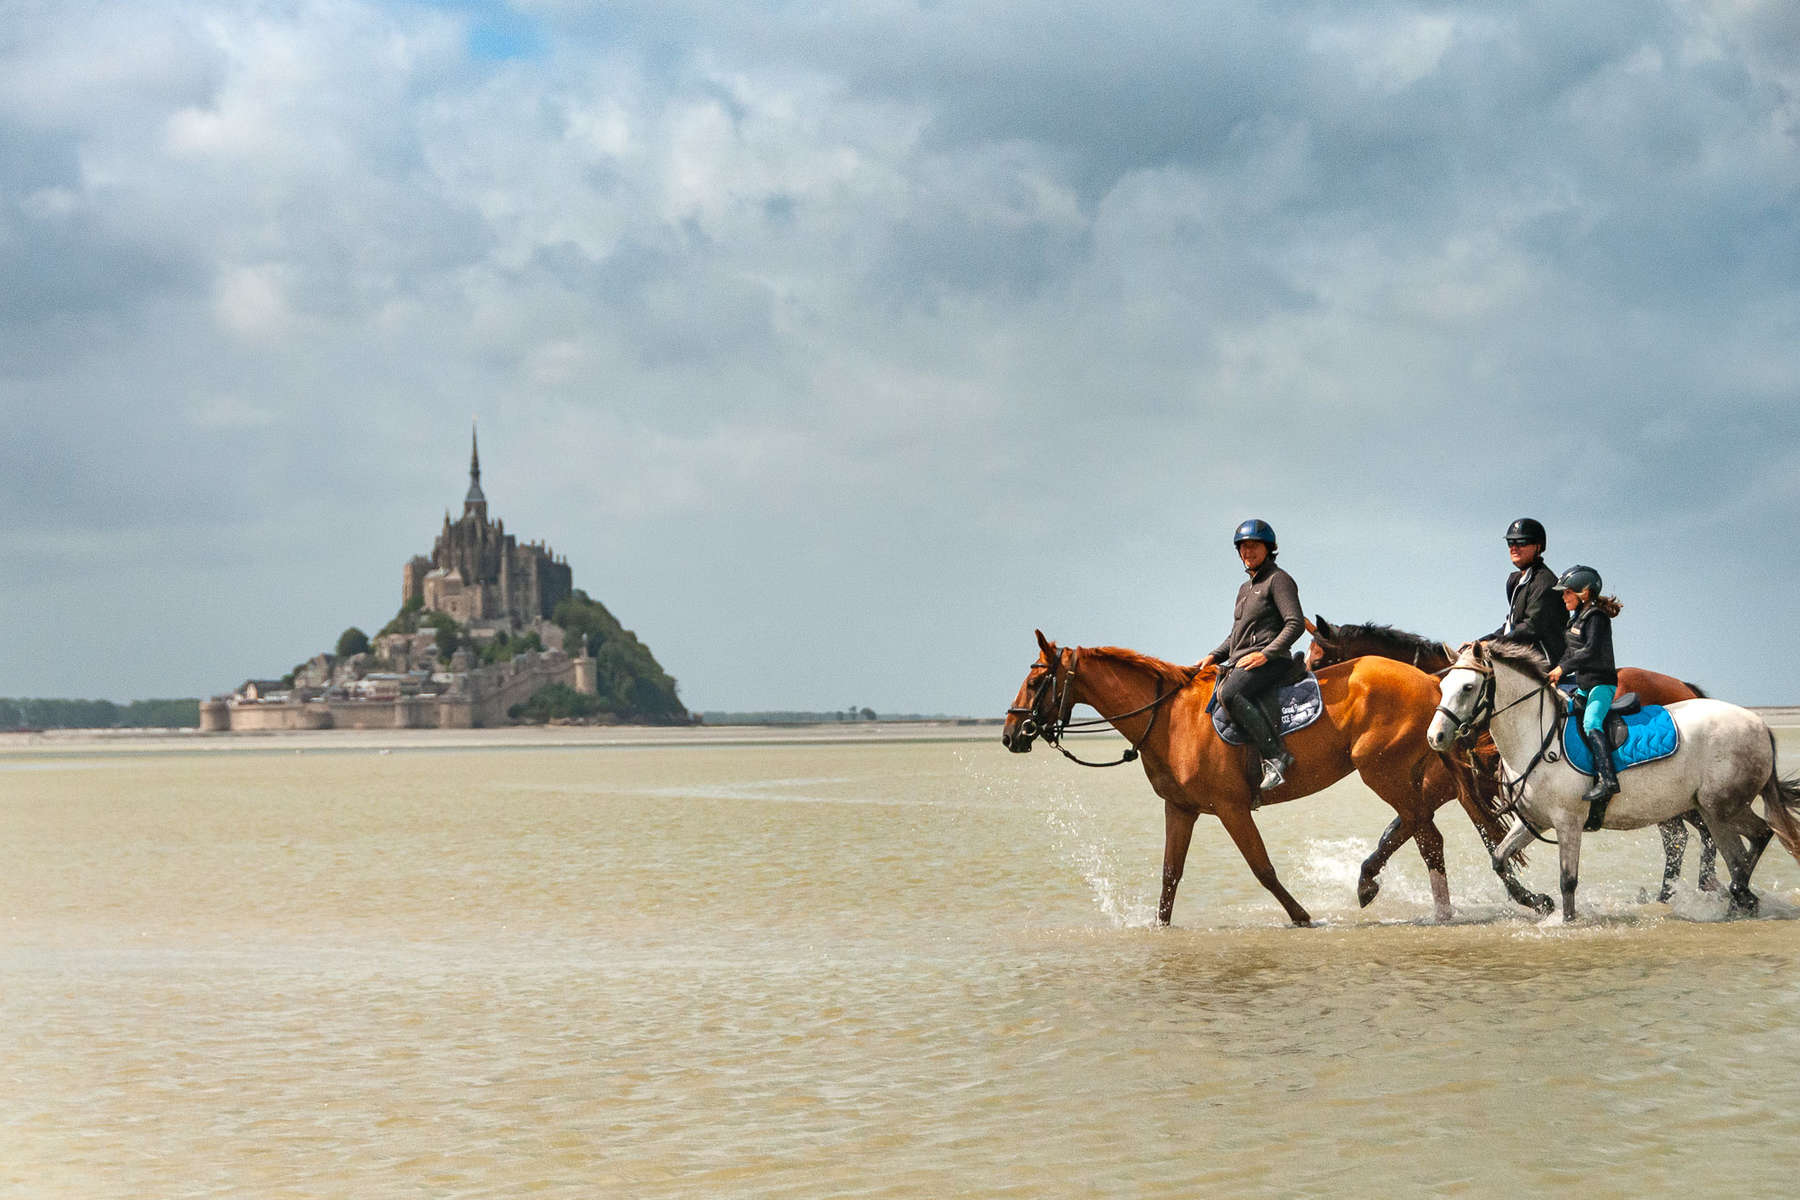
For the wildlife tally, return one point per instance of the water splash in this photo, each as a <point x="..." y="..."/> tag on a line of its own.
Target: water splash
<point x="1084" y="847"/>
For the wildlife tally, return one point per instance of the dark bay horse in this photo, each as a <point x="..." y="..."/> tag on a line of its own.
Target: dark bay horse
<point x="1376" y="714"/>
<point x="1340" y="643"/>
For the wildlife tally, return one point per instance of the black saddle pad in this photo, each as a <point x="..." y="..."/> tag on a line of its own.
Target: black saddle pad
<point x="1301" y="705"/>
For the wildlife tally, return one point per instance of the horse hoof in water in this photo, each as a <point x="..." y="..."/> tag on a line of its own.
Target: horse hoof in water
<point x="1366" y="891"/>
<point x="1744" y="903"/>
<point x="1554" y="919"/>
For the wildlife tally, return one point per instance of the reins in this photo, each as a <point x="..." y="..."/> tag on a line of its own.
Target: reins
<point x="1513" y="790"/>
<point x="1053" y="728"/>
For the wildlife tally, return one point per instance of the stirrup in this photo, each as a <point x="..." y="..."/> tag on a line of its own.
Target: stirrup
<point x="1272" y="776"/>
<point x="1597" y="812"/>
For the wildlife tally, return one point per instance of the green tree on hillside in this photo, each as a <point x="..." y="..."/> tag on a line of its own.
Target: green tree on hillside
<point x="406" y="620"/>
<point x="505" y="648"/>
<point x="556" y="700"/>
<point x="628" y="679"/>
<point x="450" y="635"/>
<point x="352" y="641"/>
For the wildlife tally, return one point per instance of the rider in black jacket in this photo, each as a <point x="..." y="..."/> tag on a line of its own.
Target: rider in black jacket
<point x="1534" y="610"/>
<point x="1266" y="623"/>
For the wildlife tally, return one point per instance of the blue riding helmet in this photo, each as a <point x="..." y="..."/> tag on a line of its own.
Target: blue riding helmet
<point x="1254" y="530"/>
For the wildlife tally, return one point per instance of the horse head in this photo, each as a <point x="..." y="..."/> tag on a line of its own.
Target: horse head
<point x="1467" y="698"/>
<point x="1043" y="701"/>
<point x="1323" y="652"/>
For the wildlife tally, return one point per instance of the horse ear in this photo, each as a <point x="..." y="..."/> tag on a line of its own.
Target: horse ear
<point x="1044" y="644"/>
<point x="1321" y="627"/>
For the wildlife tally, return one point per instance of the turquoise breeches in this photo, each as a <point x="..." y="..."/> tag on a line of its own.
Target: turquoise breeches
<point x="1599" y="703"/>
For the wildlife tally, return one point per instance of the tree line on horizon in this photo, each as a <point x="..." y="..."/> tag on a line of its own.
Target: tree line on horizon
<point x="22" y="713"/>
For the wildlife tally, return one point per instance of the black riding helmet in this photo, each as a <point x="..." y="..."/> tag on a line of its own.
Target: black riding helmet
<point x="1579" y="579"/>
<point x="1526" y="531"/>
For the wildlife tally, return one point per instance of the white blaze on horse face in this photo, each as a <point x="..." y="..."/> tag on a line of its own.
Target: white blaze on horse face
<point x="1460" y="693"/>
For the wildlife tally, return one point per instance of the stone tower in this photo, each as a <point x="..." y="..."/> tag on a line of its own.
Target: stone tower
<point x="479" y="574"/>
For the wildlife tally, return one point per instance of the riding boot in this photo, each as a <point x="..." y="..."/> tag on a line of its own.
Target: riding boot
<point x="1254" y="723"/>
<point x="1606" y="780"/>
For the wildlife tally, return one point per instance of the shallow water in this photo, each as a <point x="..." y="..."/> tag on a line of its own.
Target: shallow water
<point x="838" y="970"/>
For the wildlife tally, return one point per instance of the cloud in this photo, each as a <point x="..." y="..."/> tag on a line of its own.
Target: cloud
<point x="827" y="328"/>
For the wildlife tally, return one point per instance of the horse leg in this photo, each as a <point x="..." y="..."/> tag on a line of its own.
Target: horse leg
<point x="1474" y="793"/>
<point x="1569" y="848"/>
<point x="1709" y="855"/>
<point x="1178" y="831"/>
<point x="1737" y="857"/>
<point x="1756" y="833"/>
<point x="1674" y="840"/>
<point x="1392" y="838"/>
<point x="1501" y="856"/>
<point x="1758" y="844"/>
<point x="1431" y="849"/>
<point x="1473" y="796"/>
<point x="1242" y="828"/>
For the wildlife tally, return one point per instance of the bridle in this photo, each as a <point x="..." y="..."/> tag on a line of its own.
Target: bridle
<point x="1060" y="688"/>
<point x="1513" y="790"/>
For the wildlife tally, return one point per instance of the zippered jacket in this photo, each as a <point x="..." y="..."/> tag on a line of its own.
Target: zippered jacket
<point x="1535" y="613"/>
<point x="1587" y="656"/>
<point x="1267" y="616"/>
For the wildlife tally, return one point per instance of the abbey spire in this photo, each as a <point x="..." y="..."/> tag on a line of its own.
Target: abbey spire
<point x="479" y="574"/>
<point x="474" y="504"/>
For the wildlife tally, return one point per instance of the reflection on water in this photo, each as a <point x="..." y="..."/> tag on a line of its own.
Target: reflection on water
<point x="839" y="970"/>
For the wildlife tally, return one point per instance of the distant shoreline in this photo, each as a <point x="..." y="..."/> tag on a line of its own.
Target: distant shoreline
<point x="53" y="742"/>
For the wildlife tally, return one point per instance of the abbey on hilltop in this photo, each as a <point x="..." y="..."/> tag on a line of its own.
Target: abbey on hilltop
<point x="489" y="631"/>
<point x="479" y="575"/>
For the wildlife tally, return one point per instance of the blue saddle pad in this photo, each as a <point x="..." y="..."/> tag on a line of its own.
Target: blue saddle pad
<point x="1301" y="705"/>
<point x="1650" y="734"/>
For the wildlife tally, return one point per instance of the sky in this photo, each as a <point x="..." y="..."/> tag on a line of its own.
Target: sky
<point x="840" y="346"/>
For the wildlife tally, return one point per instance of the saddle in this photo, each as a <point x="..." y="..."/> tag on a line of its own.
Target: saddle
<point x="1290" y="707"/>
<point x="1638" y="733"/>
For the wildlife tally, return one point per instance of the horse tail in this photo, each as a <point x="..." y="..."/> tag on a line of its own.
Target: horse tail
<point x="1782" y="798"/>
<point x="1695" y="688"/>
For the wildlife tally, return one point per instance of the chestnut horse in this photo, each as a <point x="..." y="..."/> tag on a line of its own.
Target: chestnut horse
<point x="1339" y="643"/>
<point x="1376" y="714"/>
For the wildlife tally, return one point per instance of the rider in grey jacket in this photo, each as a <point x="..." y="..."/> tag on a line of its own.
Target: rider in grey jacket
<point x="1266" y="623"/>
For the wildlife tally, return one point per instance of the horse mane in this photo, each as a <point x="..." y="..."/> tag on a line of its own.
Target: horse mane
<point x="1169" y="673"/>
<point x="1528" y="659"/>
<point x="1406" y="644"/>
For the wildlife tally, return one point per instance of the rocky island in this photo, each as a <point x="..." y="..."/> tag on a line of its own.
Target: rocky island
<point x="490" y="631"/>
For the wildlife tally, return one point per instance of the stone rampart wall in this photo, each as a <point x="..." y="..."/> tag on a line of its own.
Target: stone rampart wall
<point x="493" y="690"/>
<point x="488" y="692"/>
<point x="280" y="716"/>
